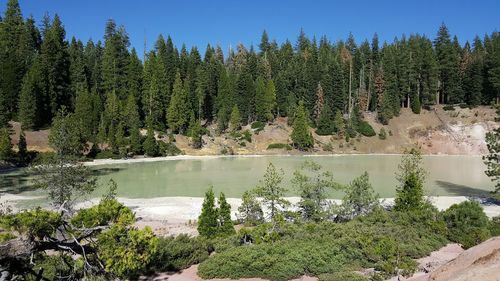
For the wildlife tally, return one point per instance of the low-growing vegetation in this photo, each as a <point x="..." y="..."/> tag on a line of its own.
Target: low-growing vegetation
<point x="279" y="146"/>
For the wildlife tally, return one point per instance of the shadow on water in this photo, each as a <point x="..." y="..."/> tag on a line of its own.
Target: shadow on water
<point x="15" y="182"/>
<point x="105" y="171"/>
<point x="462" y="190"/>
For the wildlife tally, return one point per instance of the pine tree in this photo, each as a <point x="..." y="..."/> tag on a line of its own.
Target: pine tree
<point x="271" y="191"/>
<point x="492" y="160"/>
<point x="12" y="29"/>
<point x="360" y="198"/>
<point x="31" y="97"/>
<point x="224" y="100"/>
<point x="55" y="63"/>
<point x="262" y="112"/>
<point x="324" y="124"/>
<point x="339" y="124"/>
<point x="195" y="131"/>
<point x="250" y="212"/>
<point x="65" y="135"/>
<point x="320" y="102"/>
<point x="411" y="177"/>
<point x="22" y="148"/>
<point x="178" y="111"/>
<point x="224" y="217"/>
<point x="150" y="144"/>
<point x="301" y="137"/>
<point x="135" y="141"/>
<point x="115" y="60"/>
<point x="235" y="119"/>
<point x="6" y="151"/>
<point x="207" y="221"/>
<point x="448" y="62"/>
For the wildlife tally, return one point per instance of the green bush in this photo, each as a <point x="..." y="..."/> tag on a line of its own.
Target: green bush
<point x="169" y="149"/>
<point x="328" y="147"/>
<point x="243" y="136"/>
<point x="174" y="254"/>
<point x="342" y="276"/>
<point x="247" y="135"/>
<point x="365" y="129"/>
<point x="258" y="126"/>
<point x="106" y="154"/>
<point x="467" y="223"/>
<point x="382" y="240"/>
<point x="448" y="108"/>
<point x="494" y="226"/>
<point x="382" y="135"/>
<point x="279" y="146"/>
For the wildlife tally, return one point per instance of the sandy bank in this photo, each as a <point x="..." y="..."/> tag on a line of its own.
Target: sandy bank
<point x="99" y="162"/>
<point x="186" y="209"/>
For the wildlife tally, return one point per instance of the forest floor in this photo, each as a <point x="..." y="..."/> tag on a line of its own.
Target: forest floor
<point x="437" y="131"/>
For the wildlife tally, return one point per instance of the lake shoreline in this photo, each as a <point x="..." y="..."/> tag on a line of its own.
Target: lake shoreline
<point x="109" y="161"/>
<point x="184" y="208"/>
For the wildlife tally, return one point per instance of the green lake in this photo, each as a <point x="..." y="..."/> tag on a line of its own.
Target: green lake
<point x="448" y="175"/>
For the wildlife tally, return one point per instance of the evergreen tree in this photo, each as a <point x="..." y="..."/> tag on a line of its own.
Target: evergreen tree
<point x="225" y="100"/>
<point x="178" y="110"/>
<point x="235" y="119"/>
<point x="250" y="212"/>
<point x="30" y="100"/>
<point x="135" y="141"/>
<point x="55" y="63"/>
<point x="313" y="185"/>
<point x="65" y="135"/>
<point x="22" y="148"/>
<point x="271" y="191"/>
<point x="325" y="124"/>
<point x="195" y="131"/>
<point x="320" y="103"/>
<point x="411" y="177"/>
<point x="207" y="221"/>
<point x="224" y="217"/>
<point x="448" y="62"/>
<point x="492" y="160"/>
<point x="86" y="113"/>
<point x="12" y="29"/>
<point x="339" y="124"/>
<point x="301" y="137"/>
<point x="6" y="151"/>
<point x="115" y="60"/>
<point x="150" y="144"/>
<point x="360" y="198"/>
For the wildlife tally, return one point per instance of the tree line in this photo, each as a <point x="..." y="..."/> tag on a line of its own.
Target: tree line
<point x="110" y="89"/>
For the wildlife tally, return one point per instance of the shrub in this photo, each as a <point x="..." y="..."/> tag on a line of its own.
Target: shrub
<point x="169" y="149"/>
<point x="328" y="147"/>
<point x="106" y="154"/>
<point x="174" y="254"/>
<point x="258" y="126"/>
<point x="247" y="135"/>
<point x="279" y="146"/>
<point x="342" y="276"/>
<point x="495" y="226"/>
<point x="448" y="108"/>
<point x="382" y="135"/>
<point x="365" y="129"/>
<point x="467" y="223"/>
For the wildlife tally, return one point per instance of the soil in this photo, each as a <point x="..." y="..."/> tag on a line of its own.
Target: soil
<point x="436" y="131"/>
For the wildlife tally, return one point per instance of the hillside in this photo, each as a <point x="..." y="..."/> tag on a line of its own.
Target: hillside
<point x="437" y="132"/>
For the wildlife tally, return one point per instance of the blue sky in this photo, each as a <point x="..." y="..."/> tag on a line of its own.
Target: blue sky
<point x="230" y="22"/>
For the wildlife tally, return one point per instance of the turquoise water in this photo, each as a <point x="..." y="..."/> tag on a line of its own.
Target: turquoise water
<point x="448" y="175"/>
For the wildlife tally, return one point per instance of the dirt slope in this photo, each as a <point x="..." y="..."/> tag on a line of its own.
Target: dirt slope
<point x="481" y="262"/>
<point x="437" y="131"/>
